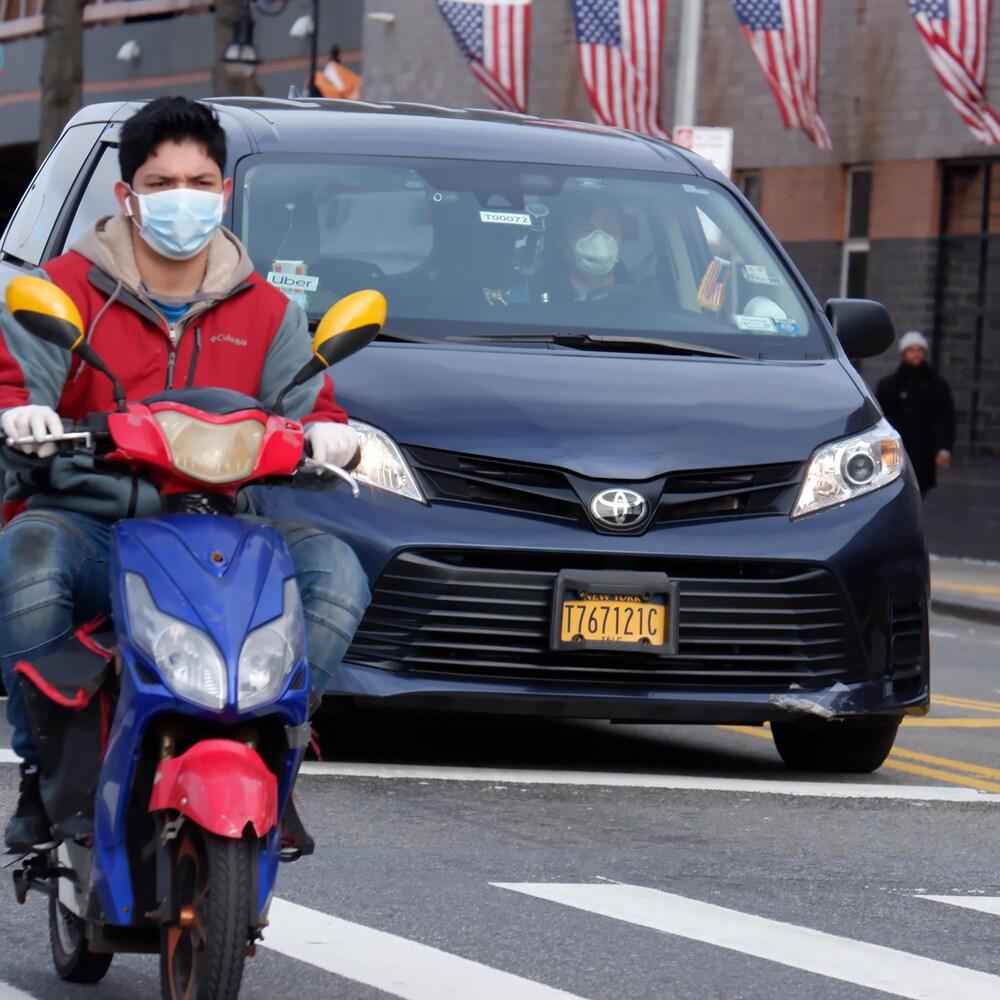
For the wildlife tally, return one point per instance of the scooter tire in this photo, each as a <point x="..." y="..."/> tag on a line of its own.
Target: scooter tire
<point x="73" y="960"/>
<point x="202" y="957"/>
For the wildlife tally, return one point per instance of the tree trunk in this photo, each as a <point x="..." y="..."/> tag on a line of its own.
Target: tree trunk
<point x="224" y="84"/>
<point x="62" y="70"/>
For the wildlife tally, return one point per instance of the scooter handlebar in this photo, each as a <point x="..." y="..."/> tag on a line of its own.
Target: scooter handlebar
<point x="309" y="464"/>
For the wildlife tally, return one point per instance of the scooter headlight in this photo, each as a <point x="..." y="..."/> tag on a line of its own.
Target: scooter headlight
<point x="851" y="467"/>
<point x="270" y="652"/>
<point x="187" y="658"/>
<point x="209" y="452"/>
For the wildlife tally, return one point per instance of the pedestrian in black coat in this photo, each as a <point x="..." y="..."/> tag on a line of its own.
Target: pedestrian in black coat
<point x="917" y="402"/>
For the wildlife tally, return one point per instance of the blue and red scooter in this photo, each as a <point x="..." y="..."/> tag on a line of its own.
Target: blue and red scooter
<point x="170" y="743"/>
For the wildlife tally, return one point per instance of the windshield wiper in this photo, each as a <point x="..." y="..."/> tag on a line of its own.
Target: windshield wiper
<point x="405" y="338"/>
<point x="597" y="341"/>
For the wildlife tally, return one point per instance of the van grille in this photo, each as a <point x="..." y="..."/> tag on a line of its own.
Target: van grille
<point x="486" y="615"/>
<point x="545" y="491"/>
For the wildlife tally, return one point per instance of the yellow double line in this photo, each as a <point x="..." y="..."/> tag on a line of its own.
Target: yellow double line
<point x="966" y="703"/>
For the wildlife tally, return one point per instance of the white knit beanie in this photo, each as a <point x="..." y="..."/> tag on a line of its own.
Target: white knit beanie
<point x="913" y="339"/>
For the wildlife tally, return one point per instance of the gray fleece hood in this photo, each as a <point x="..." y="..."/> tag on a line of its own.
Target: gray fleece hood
<point x="108" y="245"/>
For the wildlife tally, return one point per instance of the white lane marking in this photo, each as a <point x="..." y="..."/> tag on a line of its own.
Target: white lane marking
<point x="393" y="964"/>
<point x="870" y="965"/>
<point x="615" y="779"/>
<point x="821" y="789"/>
<point x="985" y="904"/>
<point x="941" y="634"/>
<point x="10" y="993"/>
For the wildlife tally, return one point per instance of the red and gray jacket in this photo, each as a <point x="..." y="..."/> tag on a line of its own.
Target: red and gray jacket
<point x="239" y="333"/>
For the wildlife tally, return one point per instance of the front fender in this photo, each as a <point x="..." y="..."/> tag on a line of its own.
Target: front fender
<point x="221" y="785"/>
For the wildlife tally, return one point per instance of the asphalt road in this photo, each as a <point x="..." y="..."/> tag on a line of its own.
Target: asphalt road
<point x="500" y="859"/>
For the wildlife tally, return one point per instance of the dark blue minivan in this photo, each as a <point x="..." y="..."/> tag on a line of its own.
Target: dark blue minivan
<point x="618" y="463"/>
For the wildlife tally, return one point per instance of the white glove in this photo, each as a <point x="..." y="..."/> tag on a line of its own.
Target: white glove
<point x="333" y="443"/>
<point x="34" y="421"/>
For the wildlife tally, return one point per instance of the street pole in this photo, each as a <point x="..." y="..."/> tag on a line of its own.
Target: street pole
<point x="313" y="49"/>
<point x="688" y="60"/>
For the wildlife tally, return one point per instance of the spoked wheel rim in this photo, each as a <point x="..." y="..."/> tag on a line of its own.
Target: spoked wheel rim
<point x="203" y="951"/>
<point x="186" y="942"/>
<point x="68" y="929"/>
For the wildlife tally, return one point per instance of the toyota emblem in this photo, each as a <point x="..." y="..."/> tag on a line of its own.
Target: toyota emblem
<point x="619" y="508"/>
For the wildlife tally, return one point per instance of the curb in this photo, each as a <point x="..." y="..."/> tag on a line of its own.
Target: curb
<point x="971" y="610"/>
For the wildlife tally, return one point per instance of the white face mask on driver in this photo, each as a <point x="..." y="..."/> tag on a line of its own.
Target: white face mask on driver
<point x="178" y="223"/>
<point x="597" y="252"/>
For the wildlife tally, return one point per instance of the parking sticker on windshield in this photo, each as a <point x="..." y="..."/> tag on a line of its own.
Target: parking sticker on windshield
<point x="788" y="327"/>
<point x="760" y="275"/>
<point x="755" y="324"/>
<point x="506" y="218"/>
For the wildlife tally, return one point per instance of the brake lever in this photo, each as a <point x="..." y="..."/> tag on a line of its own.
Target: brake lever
<point x="312" y="463"/>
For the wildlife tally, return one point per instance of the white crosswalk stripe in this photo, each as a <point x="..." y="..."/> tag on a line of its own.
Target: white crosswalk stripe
<point x="895" y="972"/>
<point x="393" y="964"/>
<point x="985" y="904"/>
<point x="9" y="993"/>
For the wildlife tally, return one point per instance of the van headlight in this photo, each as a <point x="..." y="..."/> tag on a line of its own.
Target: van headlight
<point x="270" y="652"/>
<point x="843" y="470"/>
<point x="382" y="464"/>
<point x="186" y="657"/>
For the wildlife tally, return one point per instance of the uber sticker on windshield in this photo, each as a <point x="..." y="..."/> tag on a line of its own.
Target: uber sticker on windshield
<point x="760" y="275"/>
<point x="290" y="281"/>
<point x="755" y="324"/>
<point x="506" y="218"/>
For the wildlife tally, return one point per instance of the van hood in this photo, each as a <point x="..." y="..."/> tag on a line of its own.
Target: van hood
<point x="603" y="416"/>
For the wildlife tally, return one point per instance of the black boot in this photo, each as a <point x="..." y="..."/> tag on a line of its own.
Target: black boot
<point x="29" y="829"/>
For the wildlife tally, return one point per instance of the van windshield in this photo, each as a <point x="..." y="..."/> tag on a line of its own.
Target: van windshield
<point x="467" y="249"/>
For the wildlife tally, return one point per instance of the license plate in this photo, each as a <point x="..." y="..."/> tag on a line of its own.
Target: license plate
<point x="615" y="611"/>
<point x="614" y="619"/>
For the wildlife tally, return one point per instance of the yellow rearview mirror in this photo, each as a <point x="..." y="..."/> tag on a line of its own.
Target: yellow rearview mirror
<point x="45" y="311"/>
<point x="349" y="325"/>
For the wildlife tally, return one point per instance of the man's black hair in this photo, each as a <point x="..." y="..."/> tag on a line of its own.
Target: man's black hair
<point x="169" y="119"/>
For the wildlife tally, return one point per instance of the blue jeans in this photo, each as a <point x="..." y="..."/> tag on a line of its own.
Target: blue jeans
<point x="54" y="578"/>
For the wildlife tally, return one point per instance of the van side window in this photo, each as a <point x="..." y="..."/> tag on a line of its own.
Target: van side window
<point x="98" y="198"/>
<point x="36" y="215"/>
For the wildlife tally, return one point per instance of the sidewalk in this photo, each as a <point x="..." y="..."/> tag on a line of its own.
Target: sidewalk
<point x="962" y="522"/>
<point x="966" y="588"/>
<point x="962" y="513"/>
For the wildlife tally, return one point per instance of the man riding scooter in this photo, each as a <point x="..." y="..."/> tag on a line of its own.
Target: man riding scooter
<point x="171" y="296"/>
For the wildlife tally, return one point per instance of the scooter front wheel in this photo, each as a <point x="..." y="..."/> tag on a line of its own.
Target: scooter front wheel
<point x="71" y="954"/>
<point x="202" y="956"/>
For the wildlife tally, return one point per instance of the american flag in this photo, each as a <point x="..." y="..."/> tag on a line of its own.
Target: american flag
<point x="712" y="290"/>
<point x="619" y="43"/>
<point x="784" y="38"/>
<point x="494" y="35"/>
<point x="956" y="35"/>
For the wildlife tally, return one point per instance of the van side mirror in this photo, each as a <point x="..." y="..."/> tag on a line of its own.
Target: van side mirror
<point x="863" y="327"/>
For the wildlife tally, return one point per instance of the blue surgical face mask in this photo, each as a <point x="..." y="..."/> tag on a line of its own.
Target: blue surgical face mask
<point x="179" y="223"/>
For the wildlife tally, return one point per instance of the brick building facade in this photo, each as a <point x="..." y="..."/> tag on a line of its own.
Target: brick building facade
<point x="904" y="209"/>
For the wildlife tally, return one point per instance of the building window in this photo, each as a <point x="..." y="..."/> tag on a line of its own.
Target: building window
<point x="854" y="259"/>
<point x="750" y="183"/>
